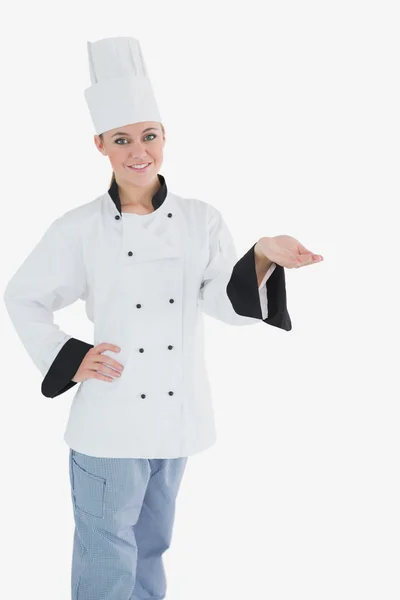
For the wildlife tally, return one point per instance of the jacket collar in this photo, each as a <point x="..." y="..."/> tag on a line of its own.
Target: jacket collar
<point x="157" y="199"/>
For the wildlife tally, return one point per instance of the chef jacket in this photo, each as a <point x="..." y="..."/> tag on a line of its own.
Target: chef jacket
<point x="146" y="281"/>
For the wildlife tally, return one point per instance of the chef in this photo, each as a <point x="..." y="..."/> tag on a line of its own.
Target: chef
<point x="148" y="263"/>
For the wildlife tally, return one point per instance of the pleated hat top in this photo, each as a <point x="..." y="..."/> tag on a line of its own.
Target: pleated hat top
<point x="121" y="92"/>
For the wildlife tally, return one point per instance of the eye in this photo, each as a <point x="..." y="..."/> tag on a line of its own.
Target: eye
<point x="125" y="140"/>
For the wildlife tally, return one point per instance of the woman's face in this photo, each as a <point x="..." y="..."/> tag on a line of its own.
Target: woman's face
<point x="134" y="144"/>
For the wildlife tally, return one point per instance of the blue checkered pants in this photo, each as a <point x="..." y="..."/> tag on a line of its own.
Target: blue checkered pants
<point x="124" y="511"/>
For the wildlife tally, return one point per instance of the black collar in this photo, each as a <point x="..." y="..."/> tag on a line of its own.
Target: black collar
<point x="157" y="199"/>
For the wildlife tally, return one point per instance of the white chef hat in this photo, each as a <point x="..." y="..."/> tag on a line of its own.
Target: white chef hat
<point x="121" y="92"/>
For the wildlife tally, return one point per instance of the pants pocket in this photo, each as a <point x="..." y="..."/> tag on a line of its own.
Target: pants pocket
<point x="88" y="490"/>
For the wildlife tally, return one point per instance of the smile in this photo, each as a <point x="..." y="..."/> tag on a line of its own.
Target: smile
<point x="141" y="167"/>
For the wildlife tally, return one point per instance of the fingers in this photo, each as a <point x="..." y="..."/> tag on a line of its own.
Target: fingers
<point x="101" y="366"/>
<point x="103" y="358"/>
<point x="97" y="355"/>
<point x="98" y="375"/>
<point x="103" y="370"/>
<point x="98" y="364"/>
<point x="303" y="261"/>
<point x="98" y="370"/>
<point x="105" y="346"/>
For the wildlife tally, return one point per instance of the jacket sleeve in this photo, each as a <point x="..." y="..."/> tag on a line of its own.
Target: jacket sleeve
<point x="50" y="278"/>
<point x="229" y="290"/>
<point x="266" y="302"/>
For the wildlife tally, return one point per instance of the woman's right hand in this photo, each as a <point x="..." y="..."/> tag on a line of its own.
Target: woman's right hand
<point x="94" y="361"/>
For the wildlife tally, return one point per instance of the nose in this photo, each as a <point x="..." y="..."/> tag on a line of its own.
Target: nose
<point x="137" y="149"/>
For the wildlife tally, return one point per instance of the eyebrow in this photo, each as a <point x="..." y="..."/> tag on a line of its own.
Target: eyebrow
<point x="124" y="133"/>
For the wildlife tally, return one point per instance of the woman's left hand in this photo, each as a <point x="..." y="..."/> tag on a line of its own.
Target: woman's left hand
<point x="286" y="251"/>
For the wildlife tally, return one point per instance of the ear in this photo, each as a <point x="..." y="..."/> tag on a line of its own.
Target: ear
<point x="99" y="144"/>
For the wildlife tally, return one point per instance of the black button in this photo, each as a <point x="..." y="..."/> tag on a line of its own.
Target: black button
<point x="117" y="217"/>
<point x="170" y="214"/>
<point x="138" y="306"/>
<point x="171" y="300"/>
<point x="171" y="393"/>
<point x="143" y="395"/>
<point x="170" y="347"/>
<point x="141" y="349"/>
<point x="130" y="253"/>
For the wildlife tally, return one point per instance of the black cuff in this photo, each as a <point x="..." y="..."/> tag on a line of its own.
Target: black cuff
<point x="244" y="295"/>
<point x="63" y="368"/>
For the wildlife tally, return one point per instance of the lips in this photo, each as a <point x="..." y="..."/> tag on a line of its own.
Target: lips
<point x="137" y="164"/>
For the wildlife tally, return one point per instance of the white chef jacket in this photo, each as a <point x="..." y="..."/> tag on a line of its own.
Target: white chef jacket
<point x="146" y="281"/>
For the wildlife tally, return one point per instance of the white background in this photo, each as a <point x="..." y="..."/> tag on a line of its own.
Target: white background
<point x="285" y="116"/>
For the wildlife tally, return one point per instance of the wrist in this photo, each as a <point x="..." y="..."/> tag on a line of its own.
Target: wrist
<point x="262" y="262"/>
<point x="258" y="252"/>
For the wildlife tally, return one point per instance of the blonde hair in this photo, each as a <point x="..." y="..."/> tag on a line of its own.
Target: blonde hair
<point x="113" y="174"/>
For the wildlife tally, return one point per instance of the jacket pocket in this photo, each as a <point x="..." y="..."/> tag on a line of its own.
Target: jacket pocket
<point x="88" y="491"/>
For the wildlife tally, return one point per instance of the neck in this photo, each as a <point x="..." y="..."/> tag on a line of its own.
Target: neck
<point x="132" y="195"/>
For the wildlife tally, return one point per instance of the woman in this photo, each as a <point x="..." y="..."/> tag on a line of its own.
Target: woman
<point x="148" y="263"/>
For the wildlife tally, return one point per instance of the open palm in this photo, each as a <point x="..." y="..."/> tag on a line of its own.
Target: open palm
<point x="288" y="252"/>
